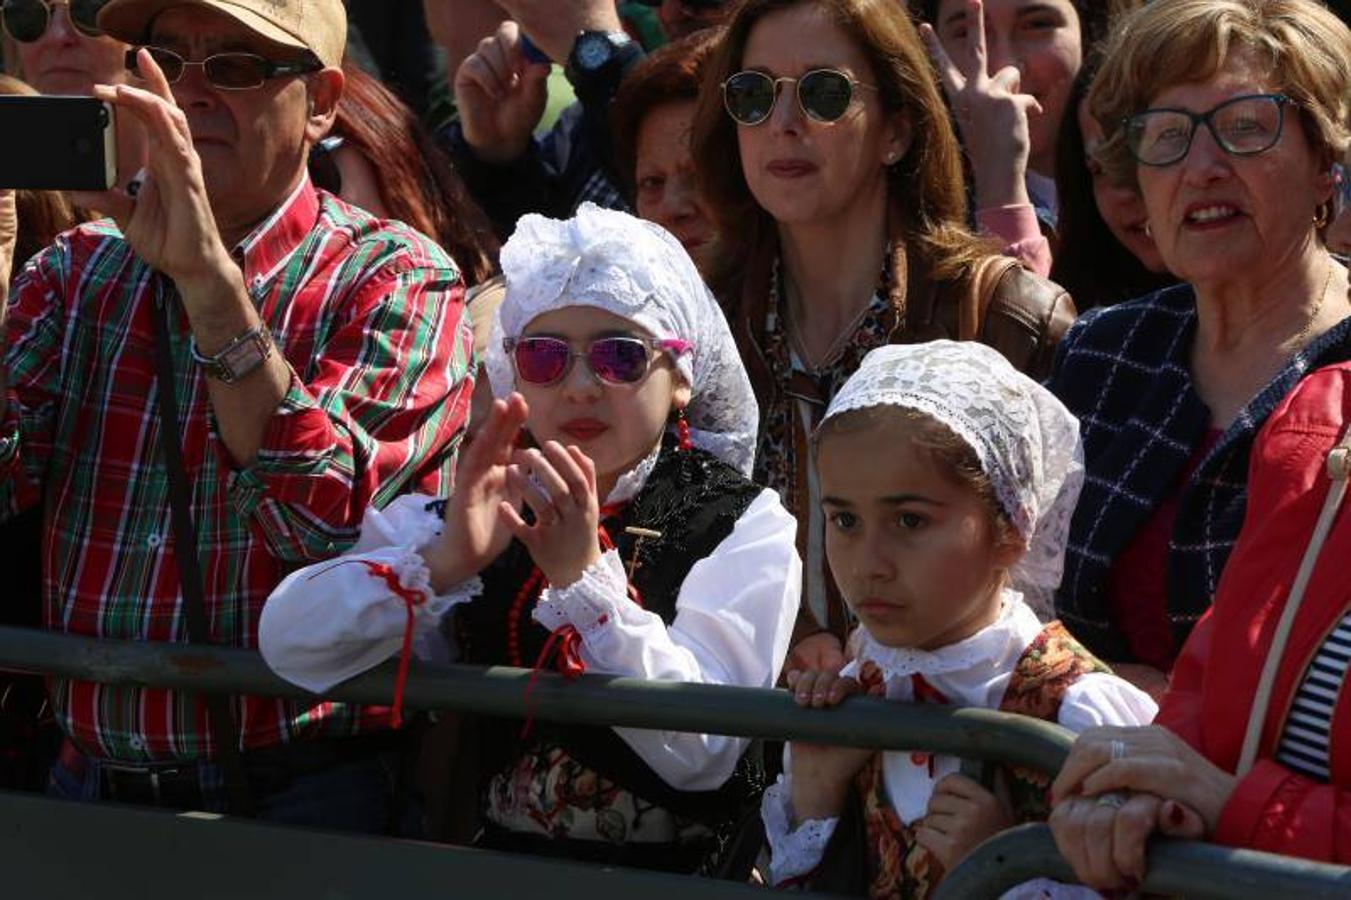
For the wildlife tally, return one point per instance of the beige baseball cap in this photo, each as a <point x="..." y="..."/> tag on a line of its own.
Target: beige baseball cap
<point x="319" y="26"/>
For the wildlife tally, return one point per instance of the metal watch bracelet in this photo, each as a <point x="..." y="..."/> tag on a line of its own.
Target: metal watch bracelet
<point x="237" y="358"/>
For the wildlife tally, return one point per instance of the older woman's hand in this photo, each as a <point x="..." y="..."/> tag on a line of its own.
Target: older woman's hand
<point x="1150" y="760"/>
<point x="1103" y="838"/>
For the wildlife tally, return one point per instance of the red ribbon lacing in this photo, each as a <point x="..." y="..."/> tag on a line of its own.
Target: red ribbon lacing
<point x="411" y="599"/>
<point x="925" y="693"/>
<point x="563" y="649"/>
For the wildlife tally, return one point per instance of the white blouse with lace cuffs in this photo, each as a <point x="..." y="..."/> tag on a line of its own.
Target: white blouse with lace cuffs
<point x="734" y="617"/>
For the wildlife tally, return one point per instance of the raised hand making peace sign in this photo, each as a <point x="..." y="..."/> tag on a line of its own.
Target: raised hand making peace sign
<point x="1006" y="67"/>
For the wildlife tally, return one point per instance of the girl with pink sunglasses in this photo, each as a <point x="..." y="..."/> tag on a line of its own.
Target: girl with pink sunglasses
<point x="602" y="521"/>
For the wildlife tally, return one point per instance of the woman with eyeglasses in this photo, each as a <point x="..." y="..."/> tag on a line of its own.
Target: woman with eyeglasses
<point x="601" y="521"/>
<point x="828" y="160"/>
<point x="1228" y="116"/>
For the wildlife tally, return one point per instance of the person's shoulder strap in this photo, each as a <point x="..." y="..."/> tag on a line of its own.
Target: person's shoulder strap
<point x="220" y="719"/>
<point x="1338" y="470"/>
<point x="981" y="285"/>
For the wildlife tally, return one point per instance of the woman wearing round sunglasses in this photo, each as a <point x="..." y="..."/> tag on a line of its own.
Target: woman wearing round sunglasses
<point x="1227" y="115"/>
<point x="626" y="540"/>
<point x="827" y="157"/>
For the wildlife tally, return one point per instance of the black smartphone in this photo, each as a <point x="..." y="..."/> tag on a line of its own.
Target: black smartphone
<point x="57" y="143"/>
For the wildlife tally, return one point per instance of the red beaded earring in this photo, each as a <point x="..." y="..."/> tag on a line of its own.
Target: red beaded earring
<point x="683" y="430"/>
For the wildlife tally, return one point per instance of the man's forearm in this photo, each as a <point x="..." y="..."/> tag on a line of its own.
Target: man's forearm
<point x="219" y="311"/>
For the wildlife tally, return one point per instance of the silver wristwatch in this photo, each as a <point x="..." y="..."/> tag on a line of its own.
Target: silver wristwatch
<point x="238" y="358"/>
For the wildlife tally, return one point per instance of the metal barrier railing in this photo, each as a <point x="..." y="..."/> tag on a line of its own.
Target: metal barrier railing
<point x="592" y="699"/>
<point x="54" y="850"/>
<point x="1193" y="869"/>
<point x="1176" y="868"/>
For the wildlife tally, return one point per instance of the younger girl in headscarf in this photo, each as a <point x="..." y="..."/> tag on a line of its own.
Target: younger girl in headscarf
<point x="947" y="482"/>
<point x="626" y="540"/>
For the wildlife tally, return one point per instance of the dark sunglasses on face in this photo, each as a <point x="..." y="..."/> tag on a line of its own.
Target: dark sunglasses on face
<point x="27" y="20"/>
<point x="823" y="94"/>
<point x="613" y="360"/>
<point x="1242" y="126"/>
<point x="324" y="171"/>
<point x="230" y="71"/>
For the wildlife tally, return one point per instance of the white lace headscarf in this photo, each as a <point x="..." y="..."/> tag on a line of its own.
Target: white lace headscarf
<point x="1026" y="440"/>
<point x="635" y="269"/>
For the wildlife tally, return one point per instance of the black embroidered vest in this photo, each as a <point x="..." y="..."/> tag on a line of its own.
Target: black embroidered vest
<point x="694" y="500"/>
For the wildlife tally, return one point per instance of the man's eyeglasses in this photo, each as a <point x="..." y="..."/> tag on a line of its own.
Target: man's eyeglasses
<point x="26" y="20"/>
<point x="231" y="71"/>
<point x="1242" y="126"/>
<point x="613" y="360"/>
<point x="823" y="94"/>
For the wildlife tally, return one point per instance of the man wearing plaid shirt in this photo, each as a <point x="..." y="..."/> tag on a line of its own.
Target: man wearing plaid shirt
<point x="320" y="365"/>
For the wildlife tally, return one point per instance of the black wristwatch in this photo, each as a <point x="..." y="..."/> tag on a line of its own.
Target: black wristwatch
<point x="594" y="50"/>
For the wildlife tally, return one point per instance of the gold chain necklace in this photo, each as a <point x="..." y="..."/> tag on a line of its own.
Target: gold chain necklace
<point x="1317" y="308"/>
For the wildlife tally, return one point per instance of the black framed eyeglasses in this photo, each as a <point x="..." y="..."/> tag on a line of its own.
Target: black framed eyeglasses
<point x="27" y="20"/>
<point x="236" y="70"/>
<point x="1242" y="126"/>
<point x="823" y="94"/>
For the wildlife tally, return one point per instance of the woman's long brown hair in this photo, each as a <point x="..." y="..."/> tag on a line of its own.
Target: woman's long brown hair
<point x="416" y="180"/>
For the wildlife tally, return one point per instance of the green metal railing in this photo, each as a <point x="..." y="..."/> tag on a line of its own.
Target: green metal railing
<point x="1176" y="868"/>
<point x="592" y="699"/>
<point x="35" y="830"/>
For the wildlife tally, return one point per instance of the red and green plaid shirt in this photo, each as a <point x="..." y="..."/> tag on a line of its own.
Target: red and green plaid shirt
<point x="369" y="316"/>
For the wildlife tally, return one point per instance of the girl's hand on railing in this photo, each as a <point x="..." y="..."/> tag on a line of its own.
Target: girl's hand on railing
<point x="961" y="814"/>
<point x="821" y="773"/>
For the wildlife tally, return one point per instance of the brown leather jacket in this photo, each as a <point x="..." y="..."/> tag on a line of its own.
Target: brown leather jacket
<point x="1024" y="318"/>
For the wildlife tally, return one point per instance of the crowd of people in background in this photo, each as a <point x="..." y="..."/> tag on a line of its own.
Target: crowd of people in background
<point x="985" y="353"/>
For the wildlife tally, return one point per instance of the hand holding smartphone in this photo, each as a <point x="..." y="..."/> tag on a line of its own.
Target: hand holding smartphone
<point x="57" y="143"/>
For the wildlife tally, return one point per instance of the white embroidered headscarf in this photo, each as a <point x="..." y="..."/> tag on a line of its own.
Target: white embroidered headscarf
<point x="635" y="269"/>
<point x="1026" y="440"/>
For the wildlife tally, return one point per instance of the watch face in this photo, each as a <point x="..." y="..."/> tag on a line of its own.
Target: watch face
<point x="592" y="51"/>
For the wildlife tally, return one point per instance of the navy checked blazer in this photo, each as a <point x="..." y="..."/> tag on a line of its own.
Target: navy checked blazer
<point x="1123" y="370"/>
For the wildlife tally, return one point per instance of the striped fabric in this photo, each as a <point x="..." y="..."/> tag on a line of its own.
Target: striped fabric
<point x="368" y="315"/>
<point x="1124" y="372"/>
<point x="1304" y="744"/>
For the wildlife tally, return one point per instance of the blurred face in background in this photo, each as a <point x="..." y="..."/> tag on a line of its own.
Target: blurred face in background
<point x="681" y="17"/>
<point x="62" y="58"/>
<point x="664" y="178"/>
<point x="1121" y="208"/>
<point x="1042" y="39"/>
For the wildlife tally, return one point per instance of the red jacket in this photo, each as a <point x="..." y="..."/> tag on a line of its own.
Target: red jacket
<point x="1216" y="674"/>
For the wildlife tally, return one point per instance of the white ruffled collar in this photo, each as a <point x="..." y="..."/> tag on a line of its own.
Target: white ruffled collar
<point x="980" y="657"/>
<point x="633" y="481"/>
